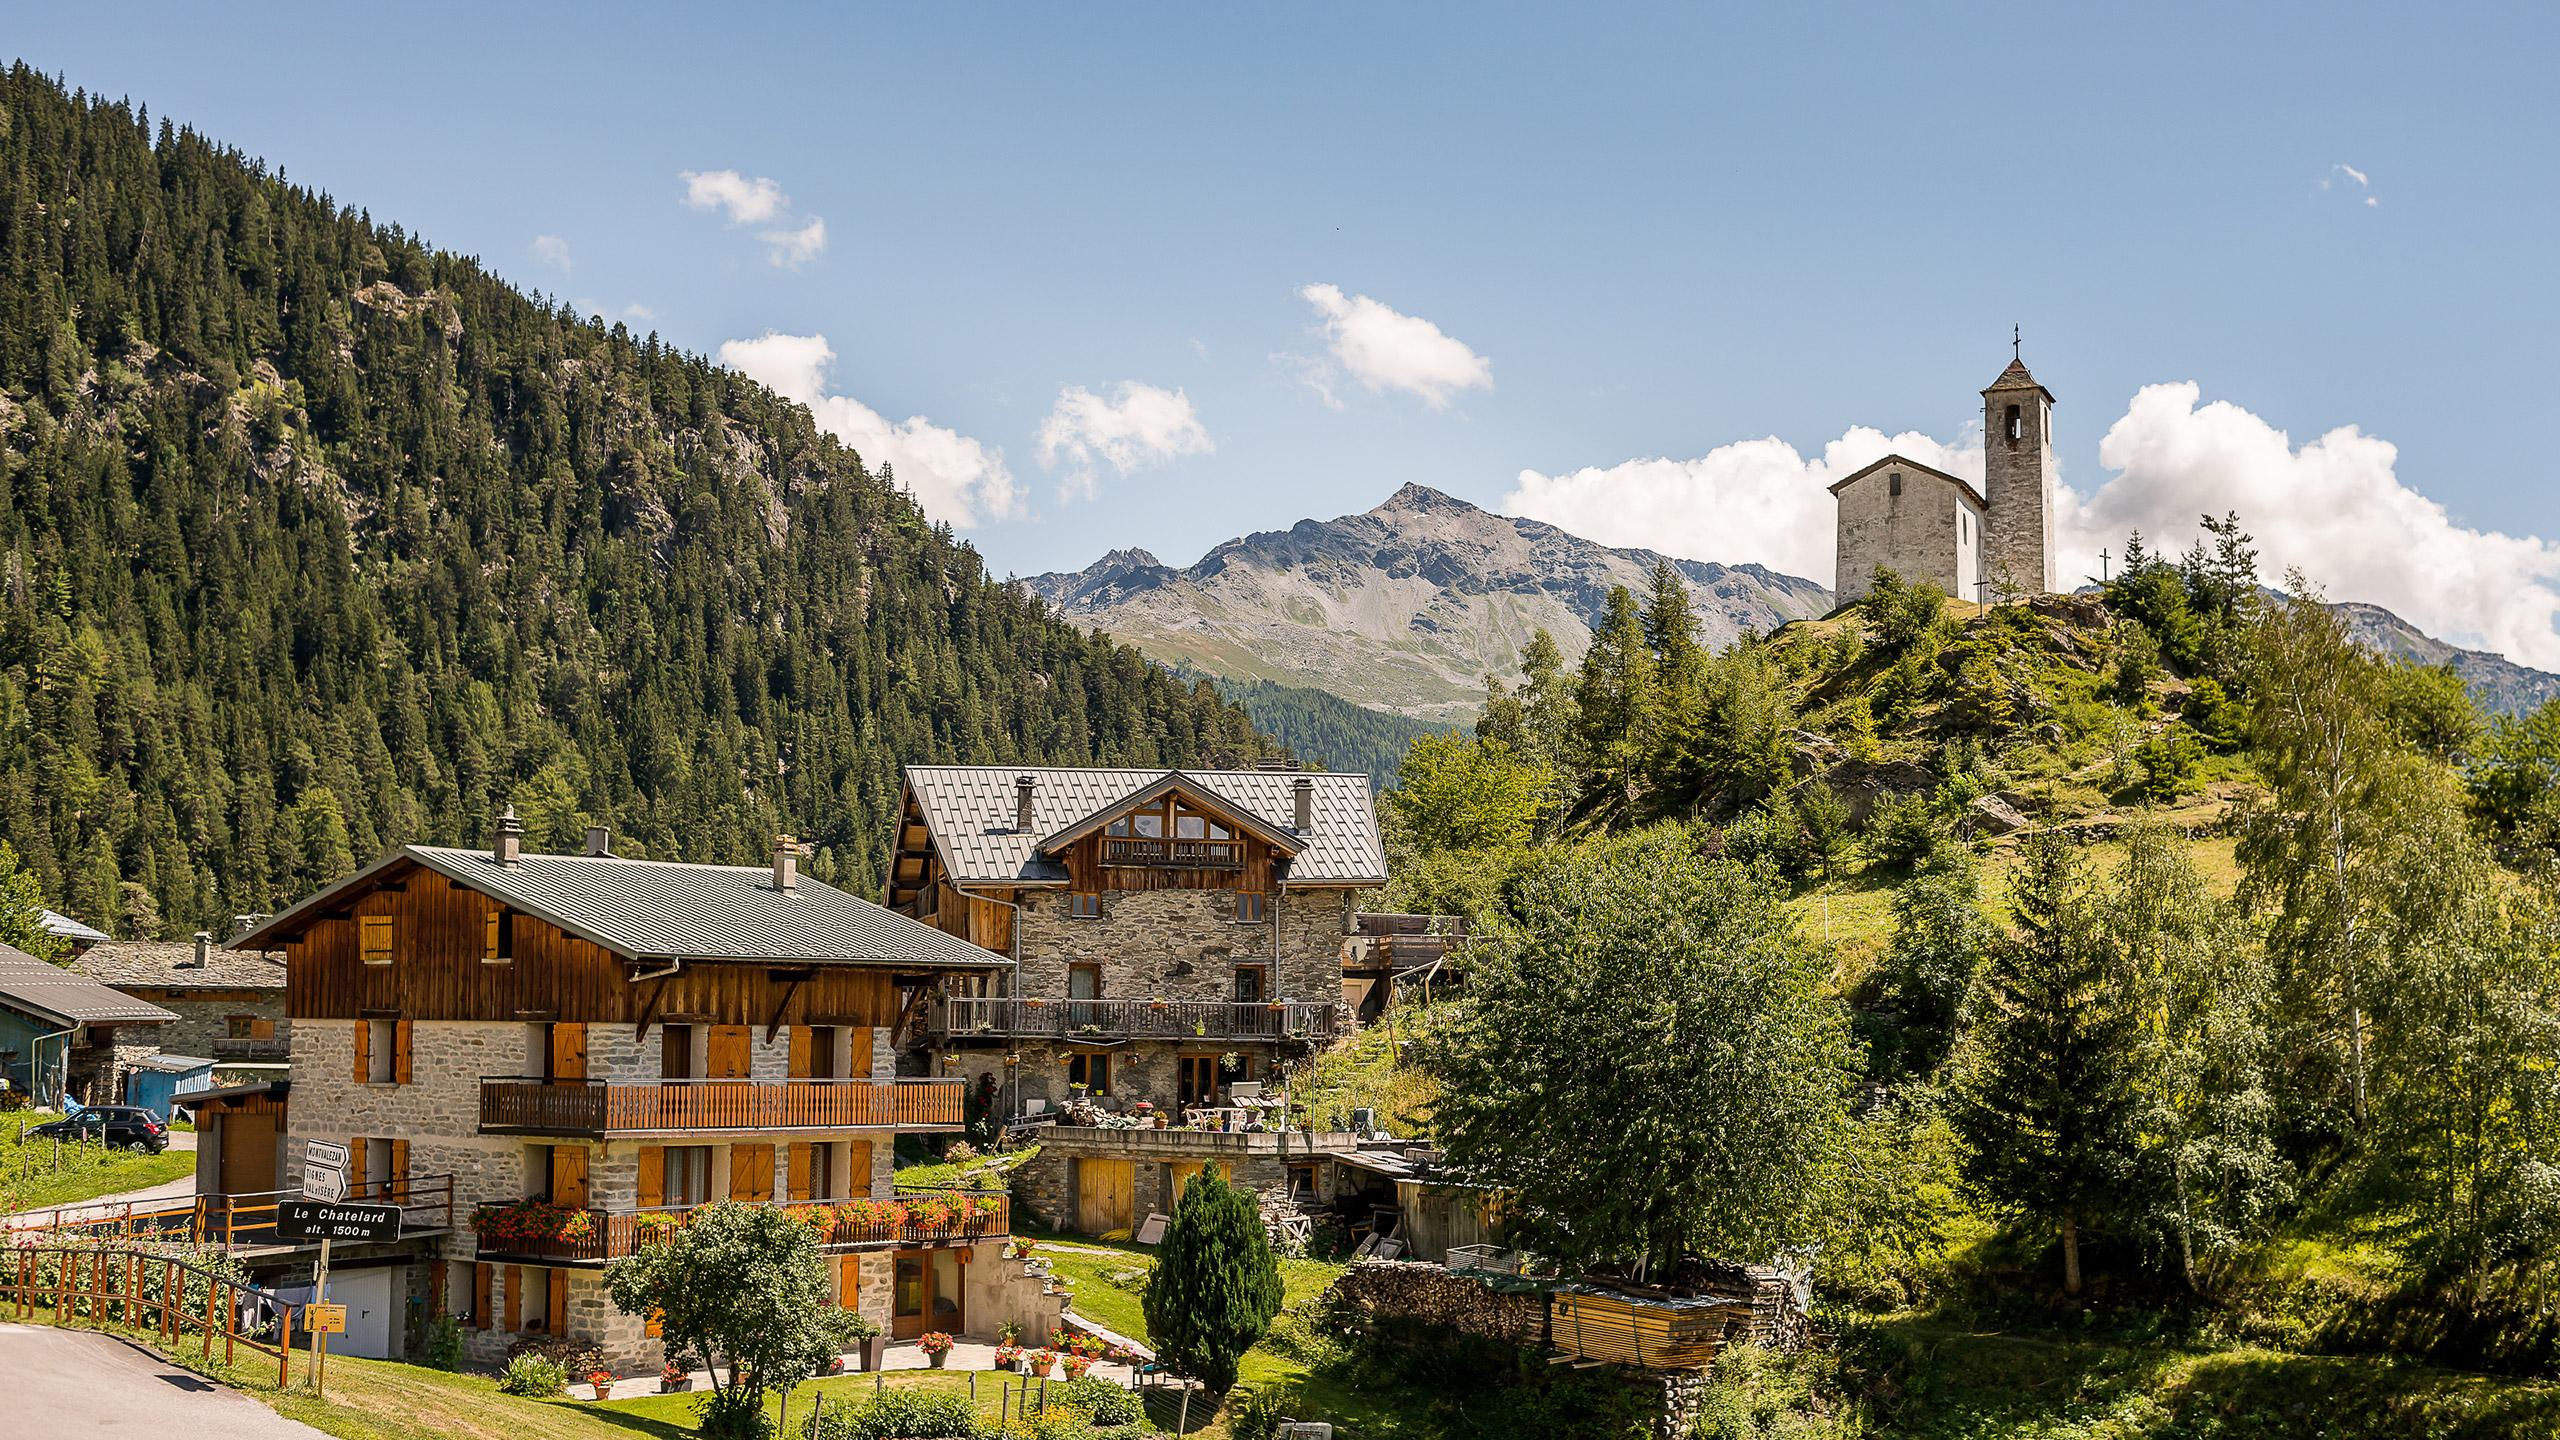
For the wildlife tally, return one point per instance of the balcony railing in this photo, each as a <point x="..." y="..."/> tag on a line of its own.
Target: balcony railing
<point x="518" y="1105"/>
<point x="1174" y="854"/>
<point x="1015" y="1015"/>
<point x="251" y="1047"/>
<point x="535" y="1231"/>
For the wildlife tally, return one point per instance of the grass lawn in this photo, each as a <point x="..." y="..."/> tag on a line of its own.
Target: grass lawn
<point x="38" y="1174"/>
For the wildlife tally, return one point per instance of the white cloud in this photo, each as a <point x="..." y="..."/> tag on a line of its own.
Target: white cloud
<point x="1385" y="349"/>
<point x="2356" y="175"/>
<point x="551" y="250"/>
<point x="2363" y="182"/>
<point x="2336" y="507"/>
<point x="954" y="477"/>
<point x="749" y="202"/>
<point x="794" y="247"/>
<point x="1750" y="502"/>
<point x="1135" y="425"/>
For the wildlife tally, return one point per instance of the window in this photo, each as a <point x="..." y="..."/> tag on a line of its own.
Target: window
<point x="675" y="1053"/>
<point x="688" y="1174"/>
<point x="1091" y="1071"/>
<point x="1084" y="905"/>
<point x="822" y="1172"/>
<point x="248" y="1027"/>
<point x="1191" y="825"/>
<point x="1252" y="983"/>
<point x="1148" y="823"/>
<point x="382" y="1052"/>
<point x="1893" y="483"/>
<point x="1964" y="526"/>
<point x="2017" y="426"/>
<point x="498" y="947"/>
<point x="374" y="938"/>
<point x="1084" y="982"/>
<point x="1252" y="907"/>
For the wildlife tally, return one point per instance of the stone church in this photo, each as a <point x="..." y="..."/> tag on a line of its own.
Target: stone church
<point x="1985" y="544"/>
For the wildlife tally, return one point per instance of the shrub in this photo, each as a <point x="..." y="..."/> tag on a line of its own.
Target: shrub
<point x="444" y="1343"/>
<point x="2169" y="761"/>
<point x="897" y="1415"/>
<point x="737" y="1413"/>
<point x="1902" y="615"/>
<point x="538" y="1376"/>
<point x="1099" y="1401"/>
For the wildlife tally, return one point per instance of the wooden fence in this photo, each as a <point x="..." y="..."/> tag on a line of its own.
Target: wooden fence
<point x="232" y="1221"/>
<point x="135" y="1289"/>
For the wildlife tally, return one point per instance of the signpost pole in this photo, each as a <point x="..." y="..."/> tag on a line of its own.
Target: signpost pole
<point x="320" y="1336"/>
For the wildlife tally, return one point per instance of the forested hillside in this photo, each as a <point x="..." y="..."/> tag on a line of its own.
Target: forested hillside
<point x="1321" y="726"/>
<point x="315" y="539"/>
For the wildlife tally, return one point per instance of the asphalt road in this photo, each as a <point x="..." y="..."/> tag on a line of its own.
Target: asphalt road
<point x="76" y="1385"/>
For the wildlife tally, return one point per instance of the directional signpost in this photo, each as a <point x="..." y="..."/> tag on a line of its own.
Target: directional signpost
<point x="323" y="1215"/>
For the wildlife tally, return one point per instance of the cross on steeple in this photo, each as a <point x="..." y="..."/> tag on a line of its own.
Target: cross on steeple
<point x="2016" y="347"/>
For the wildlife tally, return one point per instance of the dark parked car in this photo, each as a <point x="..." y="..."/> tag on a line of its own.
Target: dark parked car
<point x="126" y="1127"/>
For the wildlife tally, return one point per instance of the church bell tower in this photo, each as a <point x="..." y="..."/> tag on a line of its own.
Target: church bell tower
<point x="2017" y="470"/>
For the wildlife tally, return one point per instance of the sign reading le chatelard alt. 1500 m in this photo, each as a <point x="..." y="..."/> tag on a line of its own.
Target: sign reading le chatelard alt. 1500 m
<point x="327" y="1220"/>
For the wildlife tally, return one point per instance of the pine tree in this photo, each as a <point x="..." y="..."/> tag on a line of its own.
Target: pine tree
<point x="1216" y="1285"/>
<point x="2044" y="1093"/>
<point x="1615" y="706"/>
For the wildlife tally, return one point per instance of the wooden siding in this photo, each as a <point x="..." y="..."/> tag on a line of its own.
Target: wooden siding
<point x="437" y="973"/>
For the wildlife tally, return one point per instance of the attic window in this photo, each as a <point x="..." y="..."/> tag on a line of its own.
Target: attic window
<point x="498" y="946"/>
<point x="374" y="938"/>
<point x="1893" y="483"/>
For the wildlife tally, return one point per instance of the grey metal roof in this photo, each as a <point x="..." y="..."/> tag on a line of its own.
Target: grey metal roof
<point x="172" y="1064"/>
<point x="63" y="927"/>
<point x="51" y="992"/>
<point x="970" y="811"/>
<point x="163" y="965"/>
<point x="668" y="910"/>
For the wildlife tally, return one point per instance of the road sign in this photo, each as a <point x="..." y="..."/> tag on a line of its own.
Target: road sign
<point x="324" y="1170"/>
<point x="322" y="1220"/>
<point x="325" y="1319"/>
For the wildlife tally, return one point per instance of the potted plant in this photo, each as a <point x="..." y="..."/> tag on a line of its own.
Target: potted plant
<point x="603" y="1381"/>
<point x="1009" y="1333"/>
<point x="1008" y="1356"/>
<point x="835" y="1364"/>
<point x="1043" y="1361"/>
<point x="868" y="1341"/>
<point x="936" y="1347"/>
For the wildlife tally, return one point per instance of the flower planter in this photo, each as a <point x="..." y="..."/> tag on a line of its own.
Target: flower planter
<point x="873" y="1352"/>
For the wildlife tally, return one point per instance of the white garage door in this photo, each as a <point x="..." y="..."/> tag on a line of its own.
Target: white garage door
<point x="373" y="1312"/>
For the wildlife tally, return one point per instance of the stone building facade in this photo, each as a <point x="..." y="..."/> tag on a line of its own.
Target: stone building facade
<point x="1984" y="544"/>
<point x="229" y="1006"/>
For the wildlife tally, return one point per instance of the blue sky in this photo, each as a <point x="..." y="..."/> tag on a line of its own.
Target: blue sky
<point x="1651" y="234"/>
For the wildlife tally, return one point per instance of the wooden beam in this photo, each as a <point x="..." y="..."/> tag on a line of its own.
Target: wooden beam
<point x="782" y="1006"/>
<point x="649" y="1011"/>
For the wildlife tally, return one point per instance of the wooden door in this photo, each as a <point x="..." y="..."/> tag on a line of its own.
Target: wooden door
<point x="729" y="1053"/>
<point x="750" y="1172"/>
<point x="569" y="1176"/>
<point x="1199" y="1080"/>
<point x="248" y="1165"/>
<point x="675" y="1052"/>
<point x="569" y="1051"/>
<point x="1106" y="1195"/>
<point x="909" y="1297"/>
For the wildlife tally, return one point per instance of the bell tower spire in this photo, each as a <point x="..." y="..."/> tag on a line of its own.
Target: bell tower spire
<point x="2018" y="479"/>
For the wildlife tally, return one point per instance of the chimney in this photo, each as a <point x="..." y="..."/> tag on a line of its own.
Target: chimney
<point x="786" y="864"/>
<point x="1023" y="785"/>
<point x="204" y="949"/>
<point x="599" y="840"/>
<point x="509" y="848"/>
<point x="1304" y="790"/>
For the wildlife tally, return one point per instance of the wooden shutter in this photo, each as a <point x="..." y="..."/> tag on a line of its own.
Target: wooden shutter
<point x="513" y="1319"/>
<point x="481" y="1275"/>
<point x="569" y="1051"/>
<point x="799" y="1174"/>
<point x="359" y="1150"/>
<point x="399" y="1176"/>
<point x="653" y="1176"/>
<point x="750" y="1172"/>
<point x="860" y="1068"/>
<point x="435" y="1289"/>
<point x="364" y="1051"/>
<point x="400" y="1030"/>
<point x="569" y="1176"/>
<point x="556" y="1318"/>
<point x="849" y="1282"/>
<point x="729" y="1052"/>
<point x="800" y="1052"/>
<point x="857" y="1180"/>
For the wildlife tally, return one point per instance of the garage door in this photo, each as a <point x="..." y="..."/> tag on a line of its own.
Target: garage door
<point x="1106" y="1192"/>
<point x="370" y="1298"/>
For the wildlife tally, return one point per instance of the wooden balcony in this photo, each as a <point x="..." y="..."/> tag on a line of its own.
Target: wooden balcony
<point x="1014" y="1017"/>
<point x="908" y="1220"/>
<point x="513" y="1105"/>
<point x="251" y="1047"/>
<point x="1173" y="854"/>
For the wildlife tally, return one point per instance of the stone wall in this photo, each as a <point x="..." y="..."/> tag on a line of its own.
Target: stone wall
<point x="1044" y="1188"/>
<point x="1931" y="532"/>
